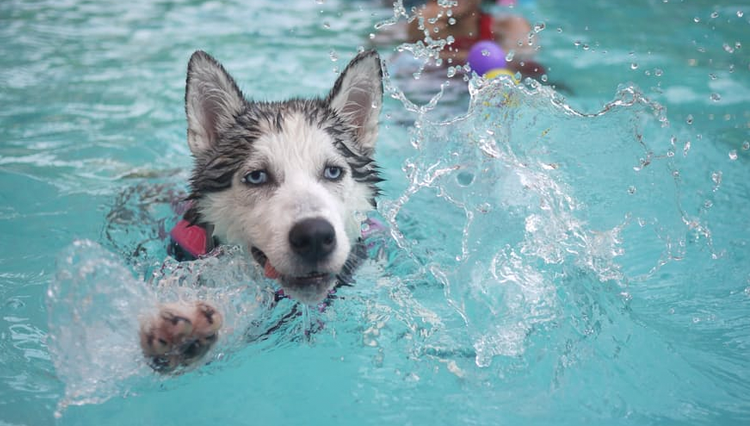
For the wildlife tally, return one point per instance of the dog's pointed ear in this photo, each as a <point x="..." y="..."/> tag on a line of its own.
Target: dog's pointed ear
<point x="212" y="101"/>
<point x="357" y="97"/>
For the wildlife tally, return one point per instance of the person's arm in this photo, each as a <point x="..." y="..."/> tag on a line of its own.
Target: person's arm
<point x="512" y="33"/>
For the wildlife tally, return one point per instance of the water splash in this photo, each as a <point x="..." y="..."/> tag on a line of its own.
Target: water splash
<point x="93" y="313"/>
<point x="509" y="203"/>
<point x="95" y="307"/>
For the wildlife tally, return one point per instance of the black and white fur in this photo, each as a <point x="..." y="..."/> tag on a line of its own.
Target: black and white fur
<point x="290" y="181"/>
<point x="292" y="143"/>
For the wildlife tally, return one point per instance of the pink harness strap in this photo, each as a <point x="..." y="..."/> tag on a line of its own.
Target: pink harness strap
<point x="192" y="239"/>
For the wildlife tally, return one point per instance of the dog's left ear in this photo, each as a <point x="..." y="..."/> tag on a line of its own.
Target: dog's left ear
<point x="357" y="97"/>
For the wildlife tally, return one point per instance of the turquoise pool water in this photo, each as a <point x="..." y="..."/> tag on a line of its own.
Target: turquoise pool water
<point x="572" y="257"/>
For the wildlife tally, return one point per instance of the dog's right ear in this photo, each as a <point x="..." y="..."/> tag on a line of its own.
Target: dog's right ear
<point x="212" y="101"/>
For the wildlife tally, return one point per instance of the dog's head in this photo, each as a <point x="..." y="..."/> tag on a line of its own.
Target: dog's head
<point x="290" y="180"/>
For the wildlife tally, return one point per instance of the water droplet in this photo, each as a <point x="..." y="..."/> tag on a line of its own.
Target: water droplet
<point x="539" y="27"/>
<point x="728" y="48"/>
<point x="326" y="25"/>
<point x="585" y="46"/>
<point x="559" y="29"/>
<point x="733" y="154"/>
<point x="632" y="190"/>
<point x="577" y="43"/>
<point x="334" y="55"/>
<point x="708" y="204"/>
<point x="696" y="19"/>
<point x="715" y="97"/>
<point x="510" y="55"/>
<point x="544" y="77"/>
<point x="716" y="178"/>
<point x="745" y="146"/>
<point x="670" y="153"/>
<point x="634" y="66"/>
<point x="714" y="15"/>
<point x="686" y="149"/>
<point x="740" y="13"/>
<point x="451" y="72"/>
<point x="452" y="21"/>
<point x="485" y="52"/>
<point x="484" y="208"/>
<point x="658" y="72"/>
<point x="689" y="119"/>
<point x="372" y="36"/>
<point x="465" y="178"/>
<point x="737" y="45"/>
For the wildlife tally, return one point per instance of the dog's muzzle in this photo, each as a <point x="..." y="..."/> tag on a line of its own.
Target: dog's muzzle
<point x="313" y="240"/>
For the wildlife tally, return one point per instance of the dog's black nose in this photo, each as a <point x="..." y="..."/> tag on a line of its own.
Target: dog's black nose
<point x="313" y="239"/>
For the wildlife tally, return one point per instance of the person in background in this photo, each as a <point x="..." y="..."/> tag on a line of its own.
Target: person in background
<point x="467" y="24"/>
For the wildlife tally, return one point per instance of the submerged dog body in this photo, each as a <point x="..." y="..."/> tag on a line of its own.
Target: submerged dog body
<point x="291" y="181"/>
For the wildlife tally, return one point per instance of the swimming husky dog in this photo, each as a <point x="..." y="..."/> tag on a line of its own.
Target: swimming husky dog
<point x="290" y="181"/>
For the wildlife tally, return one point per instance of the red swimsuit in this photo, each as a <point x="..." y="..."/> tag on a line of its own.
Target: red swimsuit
<point x="485" y="33"/>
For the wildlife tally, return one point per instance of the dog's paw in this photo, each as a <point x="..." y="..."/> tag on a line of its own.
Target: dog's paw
<point x="180" y="334"/>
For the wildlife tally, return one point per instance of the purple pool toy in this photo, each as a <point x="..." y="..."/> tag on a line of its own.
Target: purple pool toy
<point x="485" y="56"/>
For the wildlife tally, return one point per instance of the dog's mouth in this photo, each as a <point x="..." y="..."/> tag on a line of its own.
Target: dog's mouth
<point x="262" y="260"/>
<point x="309" y="288"/>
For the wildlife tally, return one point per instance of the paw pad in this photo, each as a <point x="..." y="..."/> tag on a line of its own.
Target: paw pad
<point x="180" y="334"/>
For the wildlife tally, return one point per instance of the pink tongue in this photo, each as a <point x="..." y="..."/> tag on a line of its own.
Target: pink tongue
<point x="270" y="272"/>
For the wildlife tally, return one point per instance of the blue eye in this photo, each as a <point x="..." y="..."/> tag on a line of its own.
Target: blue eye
<point x="256" y="177"/>
<point x="332" y="173"/>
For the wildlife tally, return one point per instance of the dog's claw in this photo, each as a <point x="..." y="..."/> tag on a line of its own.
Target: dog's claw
<point x="180" y="334"/>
